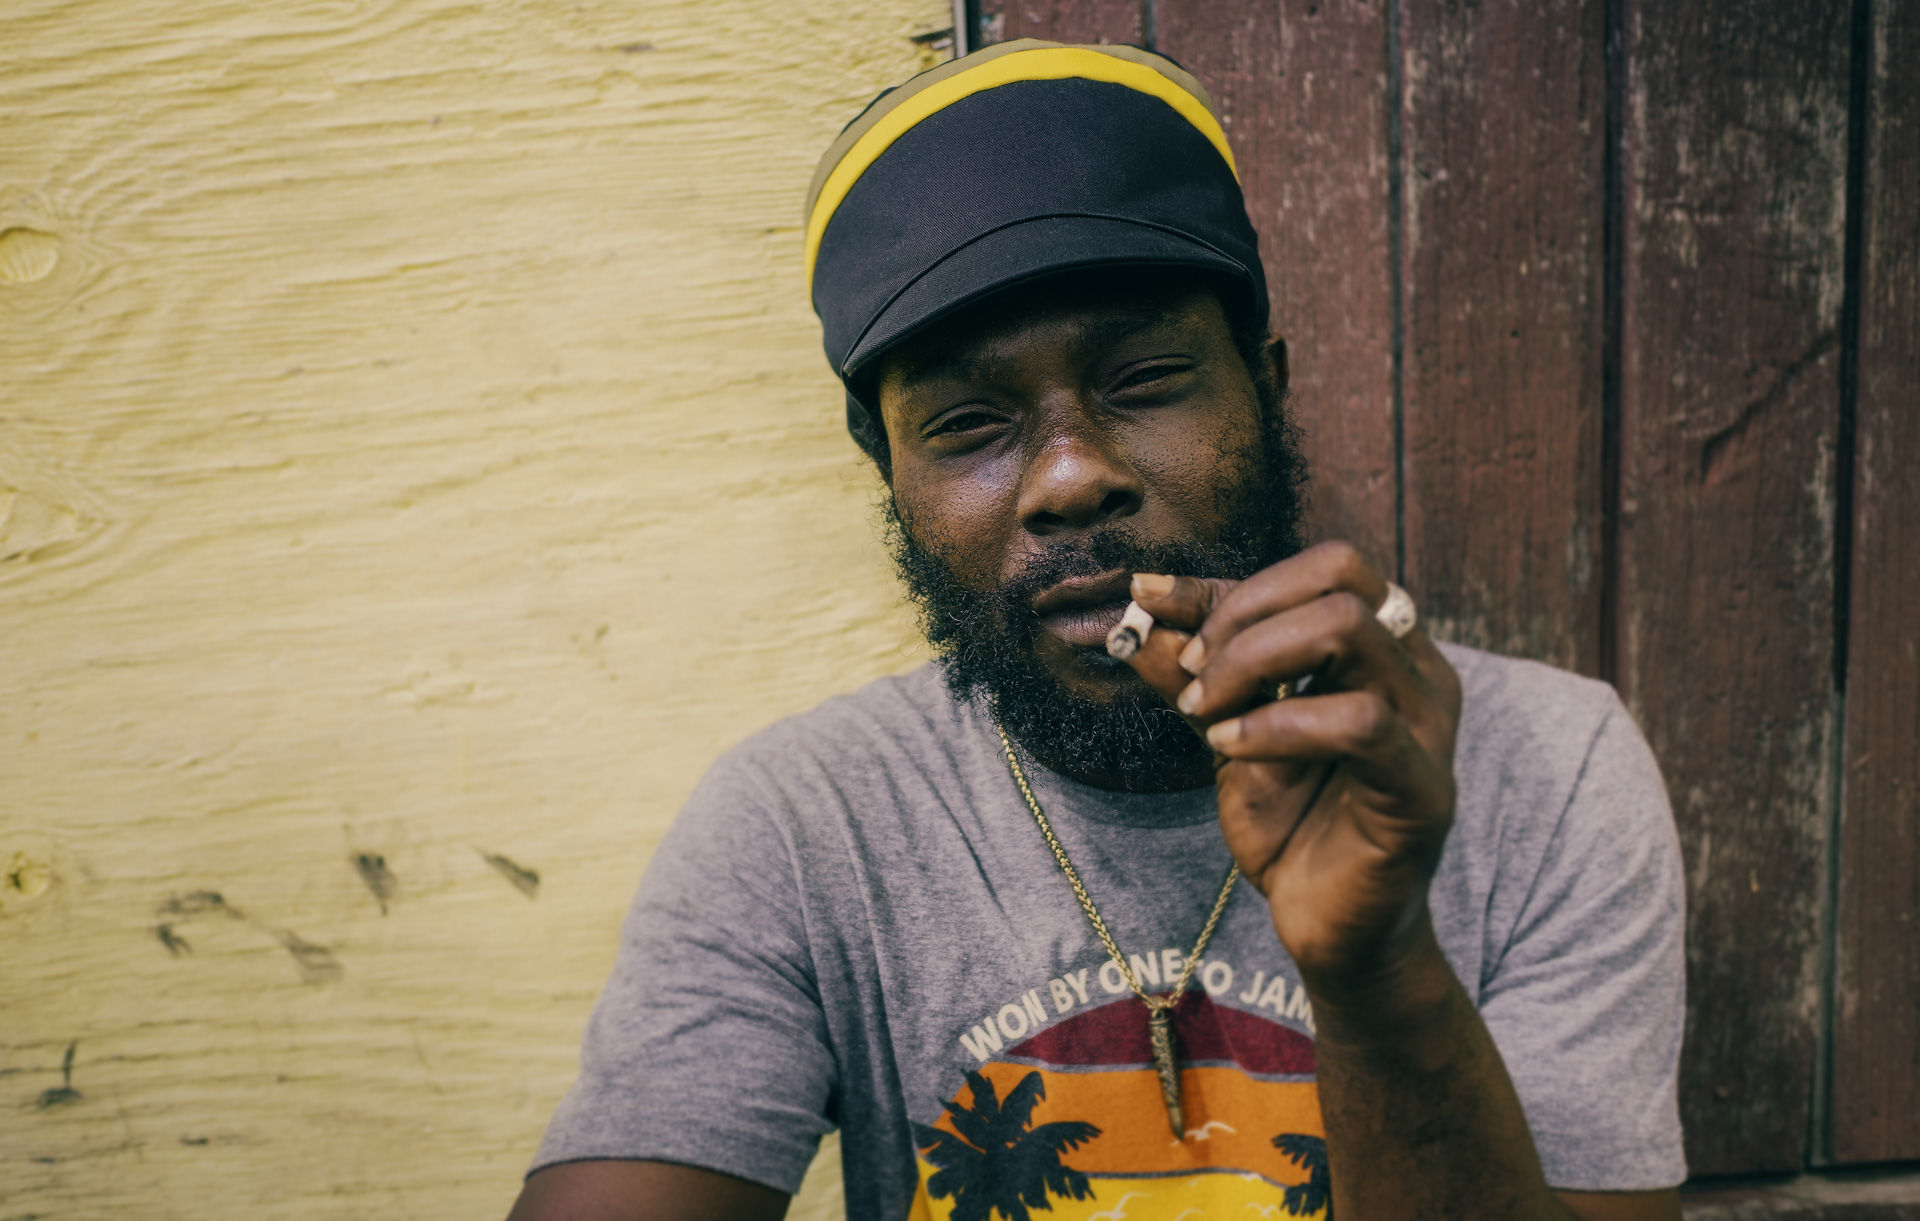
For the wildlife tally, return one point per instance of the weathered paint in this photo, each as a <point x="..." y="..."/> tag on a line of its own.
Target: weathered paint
<point x="416" y="464"/>
<point x="1566" y="286"/>
<point x="1733" y="278"/>
<point x="1504" y="114"/>
<point x="1876" y="1002"/>
<point x="1303" y="95"/>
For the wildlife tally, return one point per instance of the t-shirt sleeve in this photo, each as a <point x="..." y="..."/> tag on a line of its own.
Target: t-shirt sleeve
<point x="708" y="1046"/>
<point x="1586" y="1001"/>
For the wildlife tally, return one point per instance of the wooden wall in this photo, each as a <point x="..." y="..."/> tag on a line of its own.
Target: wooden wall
<point x="1605" y="319"/>
<point x="1876" y="1069"/>
<point x="417" y="462"/>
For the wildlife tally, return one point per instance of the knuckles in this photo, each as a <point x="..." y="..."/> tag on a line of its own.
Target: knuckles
<point x="1347" y="616"/>
<point x="1192" y="602"/>
<point x="1369" y="720"/>
<point x="1330" y="628"/>
<point x="1345" y="567"/>
<point x="1210" y="593"/>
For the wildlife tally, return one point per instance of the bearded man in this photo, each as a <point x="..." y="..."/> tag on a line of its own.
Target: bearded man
<point x="1292" y="910"/>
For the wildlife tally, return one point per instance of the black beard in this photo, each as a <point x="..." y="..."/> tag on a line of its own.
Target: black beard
<point x="985" y="638"/>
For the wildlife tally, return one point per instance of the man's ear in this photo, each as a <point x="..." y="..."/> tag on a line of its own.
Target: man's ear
<point x="869" y="431"/>
<point x="1276" y="354"/>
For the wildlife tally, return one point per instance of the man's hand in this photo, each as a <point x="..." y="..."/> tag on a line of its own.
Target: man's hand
<point x="1335" y="802"/>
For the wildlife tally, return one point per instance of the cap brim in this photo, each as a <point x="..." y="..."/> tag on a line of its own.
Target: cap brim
<point x="1026" y="251"/>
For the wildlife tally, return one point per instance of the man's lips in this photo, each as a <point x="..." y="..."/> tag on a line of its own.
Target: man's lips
<point x="1082" y="610"/>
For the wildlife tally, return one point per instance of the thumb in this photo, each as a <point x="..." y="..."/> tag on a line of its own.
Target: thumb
<point x="1180" y="602"/>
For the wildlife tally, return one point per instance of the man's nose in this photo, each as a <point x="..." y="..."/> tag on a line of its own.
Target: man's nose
<point x="1076" y="480"/>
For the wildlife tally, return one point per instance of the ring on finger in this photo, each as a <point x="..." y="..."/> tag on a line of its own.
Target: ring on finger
<point x="1397" y="613"/>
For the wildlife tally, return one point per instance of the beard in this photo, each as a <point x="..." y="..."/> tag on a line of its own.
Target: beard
<point x="985" y="638"/>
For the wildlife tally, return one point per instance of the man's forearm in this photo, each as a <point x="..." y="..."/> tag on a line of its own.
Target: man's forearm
<point x="619" y="1190"/>
<point x="1421" y="1117"/>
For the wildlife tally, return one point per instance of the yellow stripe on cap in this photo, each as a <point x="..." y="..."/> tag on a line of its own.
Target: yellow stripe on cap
<point x="1041" y="64"/>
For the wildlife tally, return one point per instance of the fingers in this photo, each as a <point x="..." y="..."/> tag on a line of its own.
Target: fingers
<point x="1312" y="614"/>
<point x="1314" y="573"/>
<point x="1346" y="723"/>
<point x="1182" y="602"/>
<point x="1358" y="727"/>
<point x="1335" y="638"/>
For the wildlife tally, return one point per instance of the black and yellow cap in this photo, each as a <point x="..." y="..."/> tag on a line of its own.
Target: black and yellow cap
<point x="1017" y="161"/>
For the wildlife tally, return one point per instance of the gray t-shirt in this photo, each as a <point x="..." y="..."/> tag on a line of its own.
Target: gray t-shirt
<point x="856" y="923"/>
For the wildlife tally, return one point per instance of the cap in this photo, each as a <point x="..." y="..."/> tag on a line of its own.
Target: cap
<point x="1017" y="161"/>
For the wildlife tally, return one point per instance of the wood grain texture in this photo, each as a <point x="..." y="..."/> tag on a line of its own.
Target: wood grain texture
<point x="1504" y="130"/>
<point x="1101" y="22"/>
<point x="416" y="463"/>
<point x="1876" y="1050"/>
<point x="1736" y="165"/>
<point x="1768" y="1209"/>
<point x="1856" y="1195"/>
<point x="1303" y="96"/>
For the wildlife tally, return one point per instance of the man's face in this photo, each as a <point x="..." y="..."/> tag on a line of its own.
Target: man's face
<point x="1050" y="442"/>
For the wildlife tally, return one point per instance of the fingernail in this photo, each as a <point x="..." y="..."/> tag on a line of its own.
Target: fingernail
<point x="1191" y="697"/>
<point x="1151" y="585"/>
<point x="1194" y="657"/>
<point x="1223" y="735"/>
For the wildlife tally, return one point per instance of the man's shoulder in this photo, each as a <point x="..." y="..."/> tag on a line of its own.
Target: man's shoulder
<point x="1560" y="804"/>
<point x="885" y="714"/>
<point x="1535" y="743"/>
<point x="852" y="745"/>
<point x="1510" y="704"/>
<point x="1547" y="757"/>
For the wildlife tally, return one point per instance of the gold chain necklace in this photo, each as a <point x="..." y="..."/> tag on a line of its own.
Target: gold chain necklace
<point x="1159" y="1008"/>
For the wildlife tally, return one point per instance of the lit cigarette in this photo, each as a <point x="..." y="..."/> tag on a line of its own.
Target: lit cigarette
<point x="1130" y="633"/>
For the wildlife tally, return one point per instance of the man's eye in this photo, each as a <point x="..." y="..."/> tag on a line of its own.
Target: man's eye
<point x="1149" y="375"/>
<point x="966" y="421"/>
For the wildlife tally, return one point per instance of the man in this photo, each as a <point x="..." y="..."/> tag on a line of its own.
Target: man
<point x="1292" y="911"/>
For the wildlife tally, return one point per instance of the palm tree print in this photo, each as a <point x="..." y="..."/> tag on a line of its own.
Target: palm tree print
<point x="996" y="1163"/>
<point x="1310" y="1154"/>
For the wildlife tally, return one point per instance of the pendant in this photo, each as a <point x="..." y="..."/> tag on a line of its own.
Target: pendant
<point x="1167" y="1064"/>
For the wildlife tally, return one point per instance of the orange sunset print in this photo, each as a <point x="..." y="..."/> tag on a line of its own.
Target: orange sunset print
<point x="1070" y="1123"/>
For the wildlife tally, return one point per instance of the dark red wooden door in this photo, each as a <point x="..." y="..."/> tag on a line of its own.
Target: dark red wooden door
<point x="1605" y="324"/>
<point x="1876" y="996"/>
<point x="1732" y="282"/>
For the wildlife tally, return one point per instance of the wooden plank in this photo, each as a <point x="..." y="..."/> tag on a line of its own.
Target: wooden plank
<point x="1876" y="1052"/>
<point x="1764" y="1208"/>
<point x="1077" y="21"/>
<point x="285" y="583"/>
<point x="1852" y="1195"/>
<point x="1504" y="141"/>
<point x="1302" y="91"/>
<point x="1735" y="167"/>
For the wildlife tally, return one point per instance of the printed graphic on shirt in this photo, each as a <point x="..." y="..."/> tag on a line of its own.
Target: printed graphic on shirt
<point x="1070" y="1121"/>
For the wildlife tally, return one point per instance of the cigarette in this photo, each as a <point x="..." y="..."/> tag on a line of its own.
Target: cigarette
<point x="1130" y="633"/>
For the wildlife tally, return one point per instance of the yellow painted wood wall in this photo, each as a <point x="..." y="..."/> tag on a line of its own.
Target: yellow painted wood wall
<point x="416" y="463"/>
